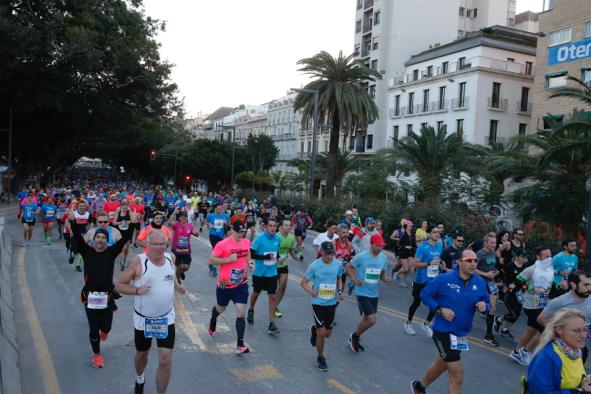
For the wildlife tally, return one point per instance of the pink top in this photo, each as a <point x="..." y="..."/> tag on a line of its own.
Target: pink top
<point x="232" y="274"/>
<point x="181" y="241"/>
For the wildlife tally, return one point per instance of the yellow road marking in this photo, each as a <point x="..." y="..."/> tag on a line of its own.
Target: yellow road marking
<point x="341" y="387"/>
<point x="262" y="372"/>
<point x="50" y="380"/>
<point x="188" y="327"/>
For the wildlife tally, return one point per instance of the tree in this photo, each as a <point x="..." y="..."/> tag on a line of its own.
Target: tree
<point x="580" y="92"/>
<point x="344" y="101"/>
<point x="262" y="152"/>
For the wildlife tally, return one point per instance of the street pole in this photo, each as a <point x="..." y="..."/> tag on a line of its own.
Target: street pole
<point x="233" y="159"/>
<point x="9" y="153"/>
<point x="588" y="232"/>
<point x="176" y="156"/>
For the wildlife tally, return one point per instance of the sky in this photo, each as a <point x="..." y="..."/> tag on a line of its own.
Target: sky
<point x="232" y="52"/>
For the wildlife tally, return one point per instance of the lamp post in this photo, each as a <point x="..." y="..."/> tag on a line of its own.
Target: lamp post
<point x="316" y="94"/>
<point x="9" y="131"/>
<point x="233" y="155"/>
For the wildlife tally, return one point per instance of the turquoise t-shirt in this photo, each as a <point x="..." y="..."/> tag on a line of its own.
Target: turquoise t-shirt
<point x="264" y="244"/>
<point x="369" y="268"/>
<point x="425" y="254"/>
<point x="324" y="278"/>
<point x="562" y="262"/>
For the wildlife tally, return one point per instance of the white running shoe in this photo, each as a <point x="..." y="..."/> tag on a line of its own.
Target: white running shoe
<point x="525" y="355"/>
<point x="408" y="327"/>
<point x="428" y="330"/>
<point x="517" y="357"/>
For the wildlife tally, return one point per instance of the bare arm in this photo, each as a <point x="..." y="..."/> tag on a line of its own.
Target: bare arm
<point x="133" y="271"/>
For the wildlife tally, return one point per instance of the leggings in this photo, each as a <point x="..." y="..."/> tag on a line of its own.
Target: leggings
<point x="513" y="306"/>
<point x="416" y="301"/>
<point x="98" y="320"/>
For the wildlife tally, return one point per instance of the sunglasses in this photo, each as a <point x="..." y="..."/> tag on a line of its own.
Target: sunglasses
<point x="470" y="260"/>
<point x="102" y="221"/>
<point x="242" y="231"/>
<point x="459" y="240"/>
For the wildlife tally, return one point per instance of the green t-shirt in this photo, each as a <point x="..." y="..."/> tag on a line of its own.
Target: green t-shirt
<point x="287" y="244"/>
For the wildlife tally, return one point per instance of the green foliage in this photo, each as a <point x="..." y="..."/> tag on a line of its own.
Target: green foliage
<point x="260" y="152"/>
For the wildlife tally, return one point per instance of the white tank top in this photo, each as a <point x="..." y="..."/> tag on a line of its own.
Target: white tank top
<point x="159" y="301"/>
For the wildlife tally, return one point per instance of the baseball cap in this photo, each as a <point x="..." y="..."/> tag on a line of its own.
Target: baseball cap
<point x="349" y="212"/>
<point x="327" y="247"/>
<point x="377" y="240"/>
<point x="370" y="219"/>
<point x="238" y="226"/>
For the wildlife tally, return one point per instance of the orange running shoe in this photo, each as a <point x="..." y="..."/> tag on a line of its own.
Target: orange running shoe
<point x="98" y="361"/>
<point x="103" y="335"/>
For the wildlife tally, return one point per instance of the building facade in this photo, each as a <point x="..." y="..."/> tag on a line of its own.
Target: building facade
<point x="387" y="33"/>
<point x="478" y="86"/>
<point x="284" y="126"/>
<point x="564" y="49"/>
<point x="194" y="126"/>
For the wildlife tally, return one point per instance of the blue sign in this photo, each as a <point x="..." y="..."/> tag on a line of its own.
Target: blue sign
<point x="569" y="52"/>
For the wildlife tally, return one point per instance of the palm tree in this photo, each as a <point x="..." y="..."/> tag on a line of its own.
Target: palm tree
<point x="343" y="97"/>
<point x="345" y="163"/>
<point x="430" y="154"/>
<point x="581" y="91"/>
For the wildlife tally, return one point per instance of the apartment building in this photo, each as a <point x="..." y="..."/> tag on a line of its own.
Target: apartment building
<point x="250" y="121"/>
<point x="478" y="86"/>
<point x="284" y="126"/>
<point x="388" y="32"/>
<point x="564" y="49"/>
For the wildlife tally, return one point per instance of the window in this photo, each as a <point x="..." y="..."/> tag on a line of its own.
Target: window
<point x="309" y="146"/>
<point x="411" y="103"/>
<point x="424" y="125"/>
<point x="511" y="60"/>
<point x="523" y="107"/>
<point x="376" y="43"/>
<point x="460" y="33"/>
<point x="415" y="75"/>
<point x="551" y="120"/>
<point x="492" y="132"/>
<point x="376" y="18"/>
<point x="474" y="12"/>
<point x="461" y="63"/>
<point x="469" y="13"/>
<point x="559" y="37"/>
<point x="408" y="128"/>
<point x="372" y="91"/>
<point x="440" y="125"/>
<point x="462" y="94"/>
<point x="351" y="142"/>
<point x="325" y="146"/>
<point x="441" y="104"/>
<point x="359" y="4"/>
<point x="522" y="128"/>
<point x="462" y="10"/>
<point x="356" y="49"/>
<point x="587" y="29"/>
<point x="496" y="95"/>
<point x="430" y="71"/>
<point x="460" y="128"/>
<point x="396" y="133"/>
<point x="302" y="147"/>
<point x="374" y="64"/>
<point x="444" y="68"/>
<point x="586" y="75"/>
<point x="397" y="105"/>
<point x="556" y="80"/>
<point x="529" y="68"/>
<point x="426" y="100"/>
<point x="358" y="26"/>
<point x="369" y="141"/>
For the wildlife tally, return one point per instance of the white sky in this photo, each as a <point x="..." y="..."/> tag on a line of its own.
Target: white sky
<point x="231" y="52"/>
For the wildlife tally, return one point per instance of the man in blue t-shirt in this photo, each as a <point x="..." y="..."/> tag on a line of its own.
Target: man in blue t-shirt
<point x="28" y="218"/>
<point x="564" y="263"/>
<point x="217" y="223"/>
<point x="321" y="281"/>
<point x="428" y="265"/>
<point x="264" y="251"/>
<point x="365" y="271"/>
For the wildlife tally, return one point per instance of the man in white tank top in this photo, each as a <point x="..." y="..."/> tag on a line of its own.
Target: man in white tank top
<point x="151" y="278"/>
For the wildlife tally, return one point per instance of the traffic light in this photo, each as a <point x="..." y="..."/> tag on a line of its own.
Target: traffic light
<point x="152" y="154"/>
<point x="187" y="178"/>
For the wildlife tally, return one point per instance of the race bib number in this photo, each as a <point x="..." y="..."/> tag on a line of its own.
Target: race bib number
<point x="218" y="224"/>
<point x="433" y="271"/>
<point x="372" y="275"/>
<point x="50" y="213"/>
<point x="272" y="260"/>
<point x="519" y="296"/>
<point x="492" y="287"/>
<point x="540" y="300"/>
<point x="97" y="300"/>
<point x="183" y="242"/>
<point x="458" y="343"/>
<point x="124" y="225"/>
<point x="236" y="276"/>
<point x="156" y="328"/>
<point x="327" y="291"/>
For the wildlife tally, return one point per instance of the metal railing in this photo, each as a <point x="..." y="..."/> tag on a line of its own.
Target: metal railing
<point x="460" y="103"/>
<point x="367" y="3"/>
<point x="498" y="104"/>
<point x="439" y="106"/>
<point x="524" y="107"/>
<point x="497" y="140"/>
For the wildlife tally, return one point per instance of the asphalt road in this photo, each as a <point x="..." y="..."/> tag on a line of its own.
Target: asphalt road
<point x="55" y="352"/>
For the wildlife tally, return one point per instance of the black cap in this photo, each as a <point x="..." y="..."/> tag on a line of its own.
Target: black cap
<point x="327" y="247"/>
<point x="238" y="226"/>
<point x="100" y="230"/>
<point x="520" y="253"/>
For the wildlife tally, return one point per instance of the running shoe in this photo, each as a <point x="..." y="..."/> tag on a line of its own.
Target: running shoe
<point x="408" y="327"/>
<point x="71" y="259"/>
<point x="250" y="316"/>
<point x="313" y="335"/>
<point x="139" y="388"/>
<point x="428" y="330"/>
<point x="242" y="350"/>
<point x="507" y="334"/>
<point x="402" y="283"/>
<point x="78" y="268"/>
<point x="301" y="257"/>
<point x="278" y="313"/>
<point x="497" y="323"/>
<point x="103" y="336"/>
<point x="417" y="387"/>
<point x="525" y="355"/>
<point x="490" y="339"/>
<point x="273" y="329"/>
<point x="354" y="344"/>
<point x="517" y="357"/>
<point x="98" y="361"/>
<point x="321" y="363"/>
<point x="183" y="276"/>
<point x="211" y="332"/>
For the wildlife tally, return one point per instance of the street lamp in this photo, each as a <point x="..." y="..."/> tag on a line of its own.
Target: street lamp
<point x="9" y="131"/>
<point x="233" y="155"/>
<point x="316" y="94"/>
<point x="153" y="155"/>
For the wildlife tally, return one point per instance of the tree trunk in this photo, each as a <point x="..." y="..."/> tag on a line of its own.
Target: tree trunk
<point x="331" y="162"/>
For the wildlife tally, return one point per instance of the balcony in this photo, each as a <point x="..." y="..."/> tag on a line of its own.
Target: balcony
<point x="524" y="107"/>
<point x="365" y="51"/>
<point x="496" y="140"/>
<point x="367" y="26"/>
<point x="287" y="156"/>
<point x="458" y="104"/>
<point x="439" y="106"/>
<point x="367" y="4"/>
<point x="498" y="104"/>
<point x="423" y="108"/>
<point x="394" y="114"/>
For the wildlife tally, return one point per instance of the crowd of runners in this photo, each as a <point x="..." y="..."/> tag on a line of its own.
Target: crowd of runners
<point x="455" y="281"/>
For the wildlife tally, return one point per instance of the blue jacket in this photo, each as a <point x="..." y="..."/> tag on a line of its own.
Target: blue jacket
<point x="448" y="291"/>
<point x="544" y="373"/>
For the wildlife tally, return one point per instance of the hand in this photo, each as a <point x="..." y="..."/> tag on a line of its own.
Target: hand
<point x="435" y="262"/>
<point x="358" y="282"/>
<point x="143" y="289"/>
<point x="539" y="290"/>
<point x="233" y="257"/>
<point x="182" y="289"/>
<point x="492" y="274"/>
<point x="481" y="306"/>
<point x="447" y="313"/>
<point x="313" y="293"/>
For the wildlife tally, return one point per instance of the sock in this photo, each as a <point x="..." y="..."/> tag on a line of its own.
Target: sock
<point x="489" y="324"/>
<point x="355" y="336"/>
<point x="95" y="343"/>
<point x="421" y="387"/>
<point x="240" y="327"/>
<point x="214" y="318"/>
<point x="140" y="379"/>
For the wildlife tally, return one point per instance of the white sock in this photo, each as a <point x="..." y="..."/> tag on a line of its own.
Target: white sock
<point x="140" y="379"/>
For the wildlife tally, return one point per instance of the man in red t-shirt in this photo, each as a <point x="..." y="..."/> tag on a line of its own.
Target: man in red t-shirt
<point x="111" y="206"/>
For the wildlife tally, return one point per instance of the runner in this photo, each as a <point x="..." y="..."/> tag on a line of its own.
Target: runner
<point x="302" y="222"/>
<point x="286" y="249"/>
<point x="422" y="232"/>
<point x="564" y="263"/>
<point x="343" y="250"/>
<point x="322" y="281"/>
<point x="122" y="222"/>
<point x="427" y="264"/>
<point x="202" y="214"/>
<point x="148" y="200"/>
<point x="111" y="207"/>
<point x="156" y="224"/>
<point x="405" y="247"/>
<point x="232" y="255"/>
<point x="82" y="218"/>
<point x="365" y="270"/>
<point x="137" y="217"/>
<point x="216" y="222"/>
<point x="264" y="251"/>
<point x="48" y="212"/>
<point x="153" y="277"/>
<point x="30" y="210"/>
<point x="181" y="241"/>
<point x="361" y="239"/>
<point x="329" y="235"/>
<point x="355" y="218"/>
<point x="61" y="208"/>
<point x="102" y="221"/>
<point x="452" y="253"/>
<point x="487" y="269"/>
<point x="455" y="296"/>
<point x="98" y="295"/>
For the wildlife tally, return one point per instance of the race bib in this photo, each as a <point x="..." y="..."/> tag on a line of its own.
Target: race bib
<point x="236" y="275"/>
<point x="432" y="271"/>
<point x="124" y="225"/>
<point x="50" y="212"/>
<point x="519" y="296"/>
<point x="458" y="343"/>
<point x="218" y="224"/>
<point x="327" y="291"/>
<point x="492" y="287"/>
<point x="183" y="242"/>
<point x="97" y="300"/>
<point x="273" y="259"/>
<point x="111" y="215"/>
<point x="540" y="300"/>
<point x="372" y="275"/>
<point x="156" y="328"/>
